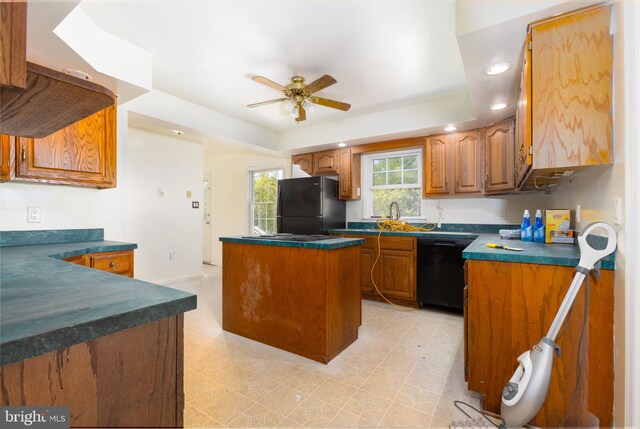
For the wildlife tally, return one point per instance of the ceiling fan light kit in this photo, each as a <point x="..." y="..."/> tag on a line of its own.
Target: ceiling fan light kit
<point x="299" y="98"/>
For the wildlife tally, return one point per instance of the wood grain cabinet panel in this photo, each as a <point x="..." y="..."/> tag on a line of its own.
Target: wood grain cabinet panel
<point x="467" y="159"/>
<point x="436" y="169"/>
<point x="510" y="307"/>
<point x="368" y="257"/>
<point x="349" y="174"/>
<point x="13" y="44"/>
<point x="325" y="162"/>
<point x="7" y="158"/>
<point x="564" y="113"/>
<point x="398" y="278"/>
<point x="131" y="378"/>
<point x="82" y="154"/>
<point x="305" y="161"/>
<point x="499" y="159"/>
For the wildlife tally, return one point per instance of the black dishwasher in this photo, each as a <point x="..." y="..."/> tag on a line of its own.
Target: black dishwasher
<point x="441" y="271"/>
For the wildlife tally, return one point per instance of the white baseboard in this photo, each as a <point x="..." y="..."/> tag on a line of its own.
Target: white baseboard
<point x="167" y="282"/>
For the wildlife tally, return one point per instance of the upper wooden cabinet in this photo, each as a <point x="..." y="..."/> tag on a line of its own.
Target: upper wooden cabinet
<point x="436" y="169"/>
<point x="523" y="152"/>
<point x="468" y="157"/>
<point x="325" y="162"/>
<point x="304" y="161"/>
<point x="82" y="154"/>
<point x="571" y="91"/>
<point x="453" y="164"/>
<point x="13" y="44"/>
<point x="349" y="174"/>
<point x="498" y="156"/>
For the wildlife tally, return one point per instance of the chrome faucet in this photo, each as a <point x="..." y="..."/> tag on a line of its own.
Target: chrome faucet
<point x="391" y="211"/>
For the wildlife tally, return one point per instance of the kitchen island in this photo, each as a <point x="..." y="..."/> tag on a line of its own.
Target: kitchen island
<point x="106" y="345"/>
<point x="302" y="297"/>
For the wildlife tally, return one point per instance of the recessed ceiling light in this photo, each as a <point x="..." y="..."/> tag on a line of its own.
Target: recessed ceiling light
<point x="497" y="69"/>
<point x="342" y="144"/>
<point x="178" y="132"/>
<point x="77" y="73"/>
<point x="498" y="106"/>
<point x="450" y="127"/>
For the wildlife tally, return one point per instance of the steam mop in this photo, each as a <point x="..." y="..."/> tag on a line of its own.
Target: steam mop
<point x="527" y="389"/>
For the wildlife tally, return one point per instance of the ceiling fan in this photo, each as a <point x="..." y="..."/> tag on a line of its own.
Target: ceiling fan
<point x="299" y="96"/>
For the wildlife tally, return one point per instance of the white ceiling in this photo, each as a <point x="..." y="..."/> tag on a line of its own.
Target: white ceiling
<point x="408" y="67"/>
<point x="382" y="53"/>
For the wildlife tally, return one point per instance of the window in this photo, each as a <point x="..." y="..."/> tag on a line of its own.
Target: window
<point x="393" y="176"/>
<point x="263" y="203"/>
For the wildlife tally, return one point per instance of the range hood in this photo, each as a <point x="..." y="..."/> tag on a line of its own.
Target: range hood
<point x="51" y="101"/>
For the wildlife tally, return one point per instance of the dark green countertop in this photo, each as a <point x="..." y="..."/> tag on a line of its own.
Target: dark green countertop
<point x="534" y="253"/>
<point x="329" y="244"/>
<point x="47" y="304"/>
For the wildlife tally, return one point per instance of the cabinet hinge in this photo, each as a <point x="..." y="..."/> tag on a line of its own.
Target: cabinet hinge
<point x="530" y="45"/>
<point x="465" y="300"/>
<point x="530" y="150"/>
<point x="23" y="155"/>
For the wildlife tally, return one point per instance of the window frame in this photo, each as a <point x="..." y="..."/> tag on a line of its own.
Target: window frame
<point x="368" y="186"/>
<point x="250" y="224"/>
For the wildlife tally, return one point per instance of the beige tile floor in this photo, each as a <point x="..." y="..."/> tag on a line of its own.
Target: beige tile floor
<point x="404" y="371"/>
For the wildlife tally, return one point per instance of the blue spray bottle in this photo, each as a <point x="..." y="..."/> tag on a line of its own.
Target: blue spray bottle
<point x="526" y="231"/>
<point x="538" y="228"/>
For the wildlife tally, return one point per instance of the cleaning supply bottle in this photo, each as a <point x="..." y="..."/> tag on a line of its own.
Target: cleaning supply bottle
<point x="538" y="228"/>
<point x="526" y="232"/>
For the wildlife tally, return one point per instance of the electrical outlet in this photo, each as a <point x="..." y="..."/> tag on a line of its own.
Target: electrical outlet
<point x="172" y="256"/>
<point x="33" y="214"/>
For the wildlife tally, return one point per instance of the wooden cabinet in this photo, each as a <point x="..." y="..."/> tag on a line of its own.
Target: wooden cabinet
<point x="120" y="262"/>
<point x="453" y="164"/>
<point x="499" y="158"/>
<point x="395" y="271"/>
<point x="570" y="72"/>
<point x="436" y="169"/>
<point x="325" y="162"/>
<point x="13" y="44"/>
<point x="524" y="150"/>
<point x="342" y="162"/>
<point x="467" y="159"/>
<point x="510" y="308"/>
<point x="82" y="154"/>
<point x="349" y="174"/>
<point x="7" y="158"/>
<point x="305" y="161"/>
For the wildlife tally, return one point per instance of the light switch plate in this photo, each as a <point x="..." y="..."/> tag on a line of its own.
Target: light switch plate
<point x="33" y="214"/>
<point x="617" y="211"/>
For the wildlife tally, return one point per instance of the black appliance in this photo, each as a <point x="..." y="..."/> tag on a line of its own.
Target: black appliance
<point x="441" y="271"/>
<point x="309" y="205"/>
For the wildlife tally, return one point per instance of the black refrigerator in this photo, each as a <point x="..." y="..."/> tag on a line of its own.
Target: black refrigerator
<point x="309" y="206"/>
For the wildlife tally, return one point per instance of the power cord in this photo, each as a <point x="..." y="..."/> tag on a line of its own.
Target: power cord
<point x="474" y="422"/>
<point x="395" y="225"/>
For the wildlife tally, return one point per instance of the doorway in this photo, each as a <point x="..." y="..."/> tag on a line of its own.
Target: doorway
<point x="206" y="218"/>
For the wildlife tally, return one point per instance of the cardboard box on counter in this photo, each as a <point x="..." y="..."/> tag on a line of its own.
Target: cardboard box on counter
<point x="557" y="223"/>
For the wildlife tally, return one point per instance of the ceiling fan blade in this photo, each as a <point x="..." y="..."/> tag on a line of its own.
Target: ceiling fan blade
<point x="320" y="83"/>
<point x="330" y="103"/>
<point x="263" y="80"/>
<point x="302" y="115"/>
<point x="262" y="103"/>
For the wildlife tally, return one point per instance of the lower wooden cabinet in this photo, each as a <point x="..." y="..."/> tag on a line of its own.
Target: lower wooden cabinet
<point x="395" y="270"/>
<point x="120" y="262"/>
<point x="510" y="308"/>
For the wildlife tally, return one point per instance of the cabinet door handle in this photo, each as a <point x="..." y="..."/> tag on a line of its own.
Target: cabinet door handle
<point x="23" y="155"/>
<point x="112" y="265"/>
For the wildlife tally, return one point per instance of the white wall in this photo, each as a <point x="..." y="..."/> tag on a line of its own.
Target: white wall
<point x="67" y="207"/>
<point x="470" y="210"/>
<point x="230" y="192"/>
<point x="161" y="224"/>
